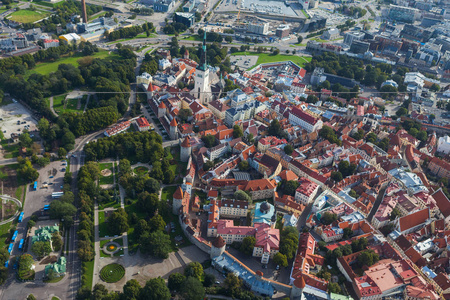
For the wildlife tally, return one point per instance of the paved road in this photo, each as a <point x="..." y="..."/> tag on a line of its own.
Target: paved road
<point x="377" y="203"/>
<point x="8" y="161"/>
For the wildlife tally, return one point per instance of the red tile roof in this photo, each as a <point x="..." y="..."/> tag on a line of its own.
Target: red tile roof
<point x="173" y="123"/>
<point x="178" y="193"/>
<point x="186" y="143"/>
<point x="304" y="116"/>
<point x="442" y="202"/>
<point x="142" y="122"/>
<point x="414" y="219"/>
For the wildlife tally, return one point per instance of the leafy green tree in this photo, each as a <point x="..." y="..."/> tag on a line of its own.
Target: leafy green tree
<point x="274" y="128"/>
<point x="118" y="222"/>
<point x="208" y="165"/>
<point x="289" y="241"/>
<point x="290" y="187"/>
<point x="337" y="176"/>
<point x="243" y="165"/>
<point x="368" y="258"/>
<point x="248" y="243"/>
<point x="280" y="259"/>
<point x="394" y="214"/>
<point x="209" y="141"/>
<point x="25" y="263"/>
<point x="299" y="39"/>
<point x="157" y="244"/>
<point x="131" y="290"/>
<point x="435" y="87"/>
<point x="288" y="149"/>
<point x="194" y="269"/>
<point x="176" y="281"/>
<point x="328" y="218"/>
<point x="4" y="256"/>
<point x="31" y="297"/>
<point x="59" y="209"/>
<point x="56" y="241"/>
<point x="157" y="223"/>
<point x="242" y="195"/>
<point x="148" y="202"/>
<point x="155" y="289"/>
<point x="237" y="131"/>
<point x="352" y="193"/>
<point x="334" y="287"/>
<point x="192" y="289"/>
<point x="209" y="280"/>
<point x="233" y="284"/>
<point x="184" y="114"/>
<point x="124" y="167"/>
<point x="169" y="176"/>
<point x="25" y="140"/>
<point x="401" y="112"/>
<point x="85" y="250"/>
<point x="347" y="233"/>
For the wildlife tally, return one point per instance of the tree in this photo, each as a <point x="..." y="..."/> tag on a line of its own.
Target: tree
<point x="337" y="176"/>
<point x="241" y="195"/>
<point x="237" y="131"/>
<point x="208" y="165"/>
<point x="299" y="39"/>
<point x="157" y="244"/>
<point x="243" y="165"/>
<point x="25" y="263"/>
<point x="194" y="269"/>
<point x="156" y="223"/>
<point x="192" y="289"/>
<point x="155" y="289"/>
<point x="31" y="297"/>
<point x="394" y="214"/>
<point x="334" y="287"/>
<point x="85" y="250"/>
<point x="401" y="112"/>
<point x="347" y="233"/>
<point x="368" y="258"/>
<point x="124" y="167"/>
<point x="25" y="140"/>
<point x="388" y="91"/>
<point x="131" y="290"/>
<point x="209" y="280"/>
<point x="274" y="128"/>
<point x="99" y="291"/>
<point x="41" y="248"/>
<point x="328" y="218"/>
<point x="289" y="241"/>
<point x="209" y="140"/>
<point x="290" y="187"/>
<point x="248" y="243"/>
<point x="353" y="193"/>
<point x="118" y="222"/>
<point x="56" y="241"/>
<point x="233" y="284"/>
<point x="62" y="152"/>
<point x="280" y="259"/>
<point x="148" y="202"/>
<point x="288" y="149"/>
<point x="435" y="87"/>
<point x="169" y="176"/>
<point x="184" y="114"/>
<point x="175" y="281"/>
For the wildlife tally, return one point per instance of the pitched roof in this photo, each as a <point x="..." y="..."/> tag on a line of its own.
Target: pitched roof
<point x="304" y="116"/>
<point x="178" y="193"/>
<point x="186" y="143"/>
<point x="173" y="123"/>
<point x="258" y="185"/>
<point x="442" y="202"/>
<point x="162" y="105"/>
<point x="288" y="175"/>
<point x="414" y="219"/>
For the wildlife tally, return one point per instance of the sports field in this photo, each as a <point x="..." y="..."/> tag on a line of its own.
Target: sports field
<point x="28" y="16"/>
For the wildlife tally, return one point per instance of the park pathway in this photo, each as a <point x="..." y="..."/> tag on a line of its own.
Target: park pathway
<point x="51" y="106"/>
<point x="96" y="246"/>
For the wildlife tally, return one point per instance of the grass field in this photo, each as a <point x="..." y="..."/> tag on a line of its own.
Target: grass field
<point x="58" y="103"/>
<point x="106" y="179"/>
<point x="4" y="233"/>
<point x="103" y="229"/>
<point x="93" y="17"/>
<point x="48" y="4"/>
<point x="11" y="150"/>
<point x="167" y="193"/>
<point x="268" y="58"/>
<point x="89" y="274"/>
<point x="27" y="16"/>
<point x="49" y="67"/>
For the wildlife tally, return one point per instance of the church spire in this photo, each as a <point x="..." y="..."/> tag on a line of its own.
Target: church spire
<point x="203" y="55"/>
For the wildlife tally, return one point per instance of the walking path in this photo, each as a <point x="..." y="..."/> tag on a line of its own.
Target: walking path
<point x="51" y="106"/>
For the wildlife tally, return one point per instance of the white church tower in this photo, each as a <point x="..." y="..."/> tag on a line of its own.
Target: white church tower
<point x="202" y="88"/>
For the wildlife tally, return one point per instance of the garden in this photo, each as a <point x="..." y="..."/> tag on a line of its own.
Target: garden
<point x="112" y="273"/>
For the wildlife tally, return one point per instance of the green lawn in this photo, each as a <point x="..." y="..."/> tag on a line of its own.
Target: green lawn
<point x="93" y="17"/>
<point x="193" y="38"/>
<point x="4" y="233"/>
<point x="104" y="242"/>
<point x="58" y="103"/>
<point x="27" y="16"/>
<point x="49" y="67"/>
<point x="268" y="58"/>
<point x="48" y="4"/>
<point x="89" y="273"/>
<point x="106" y="179"/>
<point x="103" y="229"/>
<point x="167" y="193"/>
<point x="113" y="204"/>
<point x="11" y="150"/>
<point x="305" y="14"/>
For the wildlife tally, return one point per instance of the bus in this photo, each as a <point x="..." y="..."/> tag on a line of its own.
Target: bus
<point x="46" y="207"/>
<point x="21" y="244"/>
<point x="10" y="248"/>
<point x="20" y="217"/>
<point x="6" y="263"/>
<point x="35" y="185"/>
<point x="14" y="236"/>
<point x="57" y="195"/>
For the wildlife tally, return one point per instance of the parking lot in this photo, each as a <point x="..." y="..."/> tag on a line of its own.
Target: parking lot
<point x="14" y="118"/>
<point x="244" y="61"/>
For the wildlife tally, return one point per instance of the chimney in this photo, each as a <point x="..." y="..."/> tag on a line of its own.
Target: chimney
<point x="83" y="11"/>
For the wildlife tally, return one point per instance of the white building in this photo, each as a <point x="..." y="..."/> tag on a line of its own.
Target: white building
<point x="302" y="119"/>
<point x="164" y="64"/>
<point x="331" y="34"/>
<point x="258" y="28"/>
<point x="202" y="80"/>
<point x="443" y="145"/>
<point x="144" y="78"/>
<point x="306" y="191"/>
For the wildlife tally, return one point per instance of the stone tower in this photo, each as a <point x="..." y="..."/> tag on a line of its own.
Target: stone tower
<point x="297" y="288"/>
<point x="173" y="129"/>
<point x="177" y="200"/>
<point x="185" y="149"/>
<point x="202" y="87"/>
<point x="161" y="110"/>
<point x="186" y="54"/>
<point x="218" y="247"/>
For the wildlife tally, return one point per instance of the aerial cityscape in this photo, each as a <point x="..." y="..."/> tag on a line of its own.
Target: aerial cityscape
<point x="224" y="149"/>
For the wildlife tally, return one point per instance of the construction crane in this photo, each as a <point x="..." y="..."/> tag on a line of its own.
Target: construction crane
<point x="237" y="20"/>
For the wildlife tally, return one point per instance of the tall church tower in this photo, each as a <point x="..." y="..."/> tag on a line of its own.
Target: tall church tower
<point x="202" y="88"/>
